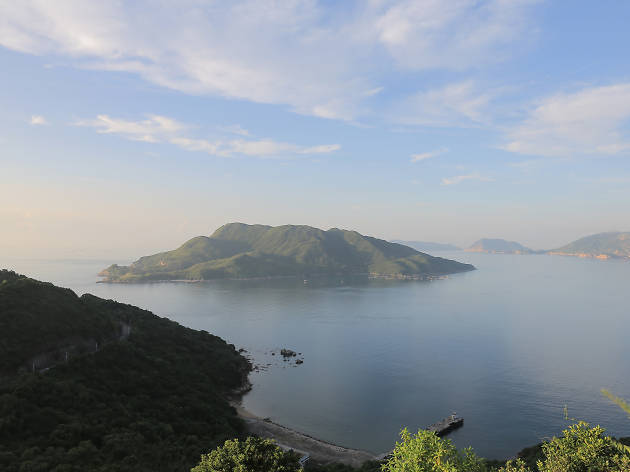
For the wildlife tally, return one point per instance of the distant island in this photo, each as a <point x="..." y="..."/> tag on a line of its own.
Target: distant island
<point x="242" y="251"/>
<point x="599" y="246"/>
<point x="426" y="246"/>
<point x="610" y="245"/>
<point x="499" y="246"/>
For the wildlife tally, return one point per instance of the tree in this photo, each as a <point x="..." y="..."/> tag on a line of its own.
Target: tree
<point x="426" y="452"/>
<point x="517" y="465"/>
<point x="582" y="449"/>
<point x="579" y="449"/>
<point x="252" y="455"/>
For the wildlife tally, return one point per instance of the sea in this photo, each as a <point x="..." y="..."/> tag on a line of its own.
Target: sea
<point x="520" y="347"/>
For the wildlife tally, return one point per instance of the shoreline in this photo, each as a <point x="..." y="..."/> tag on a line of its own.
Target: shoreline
<point x="320" y="451"/>
<point x="369" y="276"/>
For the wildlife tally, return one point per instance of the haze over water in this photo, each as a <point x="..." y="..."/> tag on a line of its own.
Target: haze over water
<point x="506" y="346"/>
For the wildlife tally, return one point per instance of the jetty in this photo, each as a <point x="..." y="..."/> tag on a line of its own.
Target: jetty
<point x="448" y="424"/>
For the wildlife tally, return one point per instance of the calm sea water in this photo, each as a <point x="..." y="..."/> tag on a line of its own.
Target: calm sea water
<point x="507" y="346"/>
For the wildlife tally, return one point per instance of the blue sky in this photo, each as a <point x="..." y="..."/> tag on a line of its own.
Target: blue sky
<point x="128" y="127"/>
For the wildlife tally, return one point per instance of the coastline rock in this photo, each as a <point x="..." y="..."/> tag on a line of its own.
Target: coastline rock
<point x="287" y="353"/>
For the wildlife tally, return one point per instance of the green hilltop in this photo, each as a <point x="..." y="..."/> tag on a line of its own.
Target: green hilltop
<point x="239" y="250"/>
<point x="602" y="245"/>
<point x="151" y="396"/>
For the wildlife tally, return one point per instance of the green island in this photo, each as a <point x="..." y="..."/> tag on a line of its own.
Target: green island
<point x="243" y="251"/>
<point x="93" y="385"/>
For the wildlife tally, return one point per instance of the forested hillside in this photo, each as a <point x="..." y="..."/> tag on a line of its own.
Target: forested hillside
<point x="154" y="400"/>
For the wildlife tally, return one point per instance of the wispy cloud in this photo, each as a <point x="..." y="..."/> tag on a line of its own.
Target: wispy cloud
<point x="419" y="33"/>
<point x="199" y="145"/>
<point x="455" y="104"/>
<point x="374" y="91"/>
<point x="458" y="179"/>
<point x="152" y="130"/>
<point x="291" y="53"/>
<point x="235" y="129"/>
<point x="322" y="149"/>
<point x="161" y="129"/>
<point x="590" y="121"/>
<point x="428" y="155"/>
<point x="38" y="120"/>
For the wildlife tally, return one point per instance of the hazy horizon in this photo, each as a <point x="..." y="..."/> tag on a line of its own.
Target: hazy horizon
<point x="127" y="129"/>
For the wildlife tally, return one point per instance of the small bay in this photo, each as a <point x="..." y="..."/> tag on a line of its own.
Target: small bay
<point x="507" y="346"/>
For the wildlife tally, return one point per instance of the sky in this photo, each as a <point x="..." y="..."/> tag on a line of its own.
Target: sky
<point x="128" y="127"/>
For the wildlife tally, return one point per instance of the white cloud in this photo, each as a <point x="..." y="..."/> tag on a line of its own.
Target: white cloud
<point x="37" y="120"/>
<point x="200" y="145"/>
<point x="322" y="149"/>
<point x="260" y="148"/>
<point x="457" y="34"/>
<point x="161" y="129"/>
<point x="374" y="91"/>
<point x="455" y="104"/>
<point x="590" y="121"/>
<point x="427" y="155"/>
<point x="154" y="129"/>
<point x="235" y="129"/>
<point x="294" y="53"/>
<point x="458" y="179"/>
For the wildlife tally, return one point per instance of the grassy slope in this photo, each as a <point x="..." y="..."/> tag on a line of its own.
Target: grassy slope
<point x="152" y="402"/>
<point x="240" y="251"/>
<point x="613" y="244"/>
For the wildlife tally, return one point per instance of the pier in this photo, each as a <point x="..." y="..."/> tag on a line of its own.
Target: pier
<point x="448" y="424"/>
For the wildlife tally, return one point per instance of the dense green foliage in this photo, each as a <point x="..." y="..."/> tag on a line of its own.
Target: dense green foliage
<point x="153" y="401"/>
<point x="245" y="251"/>
<point x="426" y="452"/>
<point x="582" y="448"/>
<point x="579" y="449"/>
<point x="611" y="244"/>
<point x="252" y="455"/>
<point x="499" y="246"/>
